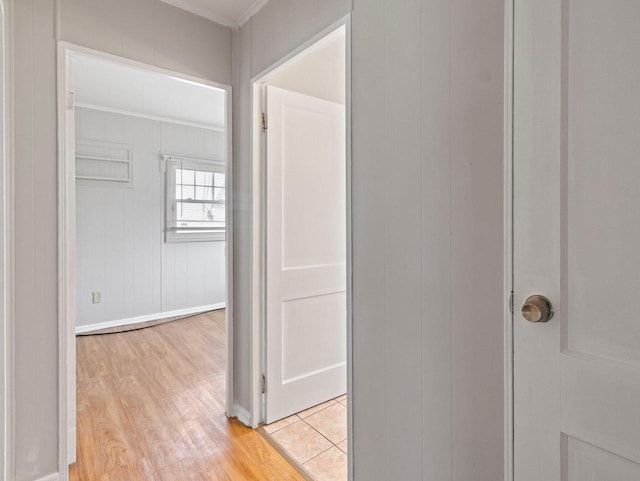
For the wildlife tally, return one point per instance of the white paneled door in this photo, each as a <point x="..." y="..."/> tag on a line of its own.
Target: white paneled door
<point x="576" y="240"/>
<point x="306" y="253"/>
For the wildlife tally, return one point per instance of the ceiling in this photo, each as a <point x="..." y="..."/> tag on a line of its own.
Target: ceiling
<point x="232" y="13"/>
<point x="121" y="88"/>
<point x="320" y="71"/>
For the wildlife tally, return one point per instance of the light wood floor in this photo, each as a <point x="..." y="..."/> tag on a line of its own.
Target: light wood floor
<point x="151" y="407"/>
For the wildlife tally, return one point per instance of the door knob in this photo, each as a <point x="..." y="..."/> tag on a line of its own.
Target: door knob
<point x="537" y="309"/>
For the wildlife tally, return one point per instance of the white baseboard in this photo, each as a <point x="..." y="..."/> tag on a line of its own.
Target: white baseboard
<point x="242" y="414"/>
<point x="149" y="317"/>
<point x="50" y="477"/>
<point x="71" y="445"/>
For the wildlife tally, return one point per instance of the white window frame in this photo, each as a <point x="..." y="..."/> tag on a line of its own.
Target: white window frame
<point x="171" y="164"/>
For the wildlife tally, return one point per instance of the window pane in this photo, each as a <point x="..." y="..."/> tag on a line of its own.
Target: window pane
<point x="185" y="176"/>
<point x="219" y="180"/>
<point x="204" y="193"/>
<point x="204" y="178"/>
<point x="187" y="192"/>
<point x="200" y="212"/>
<point x="218" y="212"/>
<point x="199" y="202"/>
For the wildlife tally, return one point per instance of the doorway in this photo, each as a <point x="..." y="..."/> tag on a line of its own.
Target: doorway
<point x="301" y="147"/>
<point x="146" y="240"/>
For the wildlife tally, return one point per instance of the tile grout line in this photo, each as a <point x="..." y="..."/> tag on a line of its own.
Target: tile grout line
<point x="314" y="457"/>
<point x="331" y="442"/>
<point x="304" y="420"/>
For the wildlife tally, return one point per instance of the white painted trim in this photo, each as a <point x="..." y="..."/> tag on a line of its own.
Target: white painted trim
<point x="66" y="269"/>
<point x="508" y="242"/>
<point x="250" y="12"/>
<point x="230" y="203"/>
<point x="7" y="441"/>
<point x="149" y="317"/>
<point x="201" y="12"/>
<point x="50" y="477"/>
<point x="221" y="19"/>
<point x="157" y="118"/>
<point x="90" y="52"/>
<point x="258" y="260"/>
<point x="242" y="414"/>
<point x="349" y="143"/>
<point x="66" y="238"/>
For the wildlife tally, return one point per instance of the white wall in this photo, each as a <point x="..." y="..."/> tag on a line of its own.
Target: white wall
<point x="134" y="28"/>
<point x="427" y="182"/>
<point x="121" y="248"/>
<point x="428" y="248"/>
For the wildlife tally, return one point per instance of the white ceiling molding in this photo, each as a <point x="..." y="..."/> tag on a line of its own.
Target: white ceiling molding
<point x="233" y="14"/>
<point x="251" y="11"/>
<point x="201" y="12"/>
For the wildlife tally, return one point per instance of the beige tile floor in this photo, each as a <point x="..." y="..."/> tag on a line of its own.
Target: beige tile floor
<point x="316" y="439"/>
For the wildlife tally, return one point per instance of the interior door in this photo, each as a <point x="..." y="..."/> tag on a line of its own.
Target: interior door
<point x="576" y="240"/>
<point x="306" y="253"/>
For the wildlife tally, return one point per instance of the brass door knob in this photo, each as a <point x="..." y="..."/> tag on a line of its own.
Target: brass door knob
<point x="537" y="309"/>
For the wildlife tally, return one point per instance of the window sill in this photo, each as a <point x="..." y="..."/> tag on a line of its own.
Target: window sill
<point x="172" y="237"/>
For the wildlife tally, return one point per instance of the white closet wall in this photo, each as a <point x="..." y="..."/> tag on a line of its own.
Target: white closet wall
<point x="121" y="248"/>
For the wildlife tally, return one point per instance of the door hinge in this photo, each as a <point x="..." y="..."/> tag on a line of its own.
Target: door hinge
<point x="511" y="302"/>
<point x="263" y="384"/>
<point x="265" y="122"/>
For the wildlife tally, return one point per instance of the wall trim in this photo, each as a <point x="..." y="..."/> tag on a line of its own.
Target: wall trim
<point x="7" y="376"/>
<point x="131" y="113"/>
<point x="50" y="477"/>
<point x="250" y="12"/>
<point x="149" y="317"/>
<point x="188" y="6"/>
<point x="201" y="12"/>
<point x="508" y="242"/>
<point x="242" y="415"/>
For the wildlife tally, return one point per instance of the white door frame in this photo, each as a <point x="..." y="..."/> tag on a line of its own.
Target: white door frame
<point x="67" y="235"/>
<point x="508" y="166"/>
<point x="258" y="222"/>
<point x="6" y="253"/>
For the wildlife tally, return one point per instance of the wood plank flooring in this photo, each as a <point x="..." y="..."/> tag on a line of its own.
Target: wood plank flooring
<point x="151" y="407"/>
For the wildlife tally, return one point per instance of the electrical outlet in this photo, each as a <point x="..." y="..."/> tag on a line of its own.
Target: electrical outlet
<point x="96" y="297"/>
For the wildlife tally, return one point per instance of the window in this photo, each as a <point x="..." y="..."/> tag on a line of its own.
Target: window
<point x="195" y="201"/>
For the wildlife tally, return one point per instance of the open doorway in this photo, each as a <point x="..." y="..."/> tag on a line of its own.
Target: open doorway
<point x="301" y="150"/>
<point x="145" y="267"/>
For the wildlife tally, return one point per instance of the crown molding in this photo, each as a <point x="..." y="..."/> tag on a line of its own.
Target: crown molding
<point x="250" y="12"/>
<point x="222" y="20"/>
<point x="201" y="12"/>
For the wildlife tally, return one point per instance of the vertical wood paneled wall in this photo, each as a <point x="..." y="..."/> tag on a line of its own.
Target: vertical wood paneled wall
<point x="427" y="99"/>
<point x="144" y="30"/>
<point x="428" y="254"/>
<point x="121" y="248"/>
